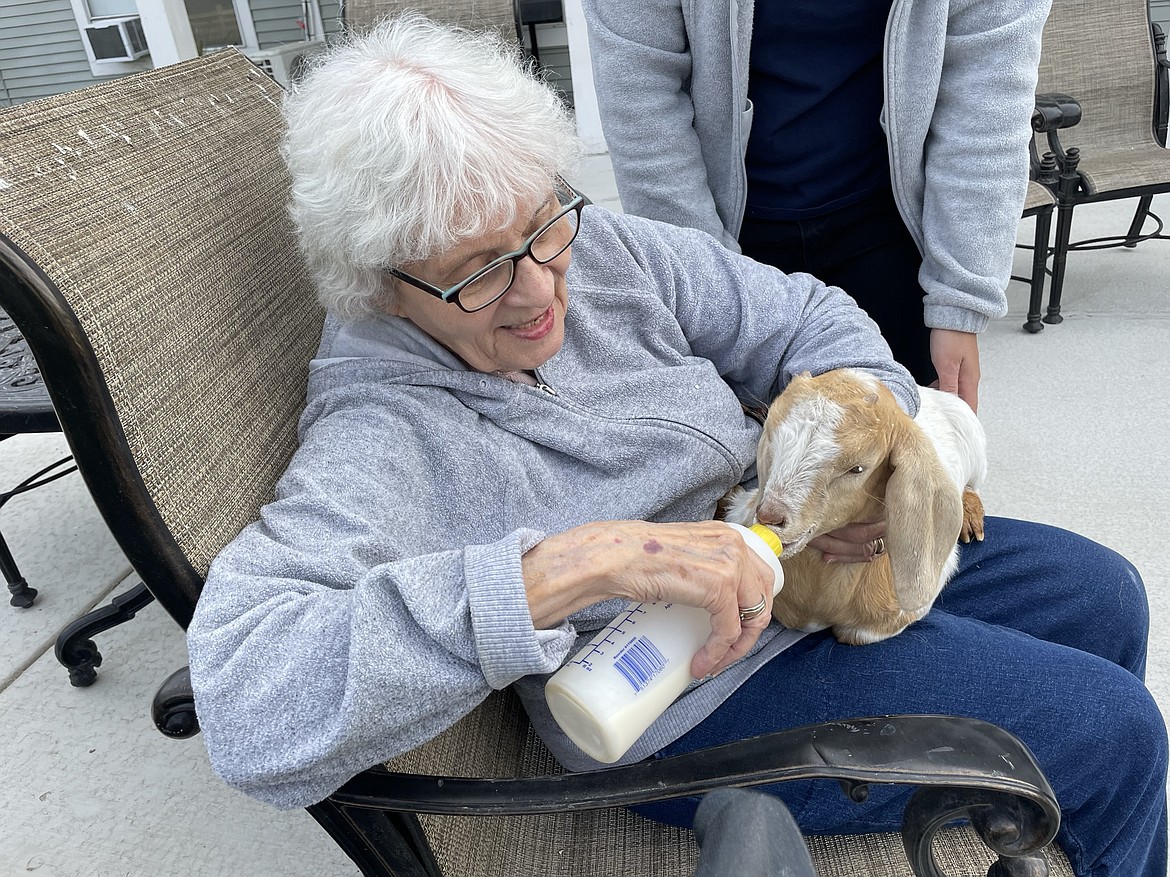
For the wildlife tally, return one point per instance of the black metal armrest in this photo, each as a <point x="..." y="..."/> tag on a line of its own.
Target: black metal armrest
<point x="173" y="706"/>
<point x="1058" y="167"/>
<point x="1054" y="111"/>
<point x="965" y="768"/>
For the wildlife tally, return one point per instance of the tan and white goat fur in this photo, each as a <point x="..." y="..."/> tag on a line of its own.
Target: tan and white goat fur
<point x="837" y="449"/>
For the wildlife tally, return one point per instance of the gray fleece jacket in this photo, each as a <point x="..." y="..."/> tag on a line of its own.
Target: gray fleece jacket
<point x="960" y="80"/>
<point x="379" y="598"/>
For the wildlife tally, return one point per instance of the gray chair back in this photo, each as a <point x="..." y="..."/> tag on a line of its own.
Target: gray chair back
<point x="1103" y="55"/>
<point x="148" y="216"/>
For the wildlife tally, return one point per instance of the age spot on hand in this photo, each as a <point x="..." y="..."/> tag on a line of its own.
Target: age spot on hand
<point x="652" y="547"/>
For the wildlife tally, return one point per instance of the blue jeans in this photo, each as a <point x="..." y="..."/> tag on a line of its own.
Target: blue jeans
<point x="1042" y="632"/>
<point x="748" y="834"/>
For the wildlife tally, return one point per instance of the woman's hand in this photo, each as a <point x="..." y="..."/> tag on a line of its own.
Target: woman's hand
<point x="956" y="361"/>
<point x="705" y="564"/>
<point x="853" y="543"/>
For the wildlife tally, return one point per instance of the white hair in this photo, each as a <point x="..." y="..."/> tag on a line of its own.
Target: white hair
<point x="409" y="139"/>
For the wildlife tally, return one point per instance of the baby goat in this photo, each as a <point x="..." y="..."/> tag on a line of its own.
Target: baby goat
<point x="837" y="449"/>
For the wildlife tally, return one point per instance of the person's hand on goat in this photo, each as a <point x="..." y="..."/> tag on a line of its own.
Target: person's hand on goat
<point x="859" y="542"/>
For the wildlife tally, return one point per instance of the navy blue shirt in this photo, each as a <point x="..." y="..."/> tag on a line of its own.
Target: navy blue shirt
<point x="816" y="142"/>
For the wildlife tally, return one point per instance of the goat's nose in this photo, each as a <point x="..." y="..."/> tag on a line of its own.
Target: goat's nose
<point x="774" y="514"/>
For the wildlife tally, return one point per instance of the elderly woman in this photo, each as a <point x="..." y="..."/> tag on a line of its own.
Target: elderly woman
<point x="524" y="411"/>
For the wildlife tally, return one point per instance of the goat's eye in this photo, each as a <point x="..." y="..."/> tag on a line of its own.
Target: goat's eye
<point x="856" y="470"/>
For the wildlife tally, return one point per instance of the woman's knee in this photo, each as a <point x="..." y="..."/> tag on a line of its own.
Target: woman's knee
<point x="1098" y="734"/>
<point x="1047" y="551"/>
<point x="1054" y="585"/>
<point x="1111" y="784"/>
<point x="1114" y="611"/>
<point x="1141" y="733"/>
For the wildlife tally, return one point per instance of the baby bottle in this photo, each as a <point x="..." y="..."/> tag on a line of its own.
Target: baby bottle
<point x="615" y="687"/>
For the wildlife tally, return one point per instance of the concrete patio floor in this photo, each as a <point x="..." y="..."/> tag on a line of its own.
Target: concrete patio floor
<point x="1077" y="417"/>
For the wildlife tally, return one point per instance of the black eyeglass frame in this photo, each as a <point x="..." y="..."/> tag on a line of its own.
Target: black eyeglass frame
<point x="450" y="295"/>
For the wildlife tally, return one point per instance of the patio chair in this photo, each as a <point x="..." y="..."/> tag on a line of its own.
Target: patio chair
<point x="1112" y="61"/>
<point x="24" y="408"/>
<point x="530" y="13"/>
<point x="146" y="254"/>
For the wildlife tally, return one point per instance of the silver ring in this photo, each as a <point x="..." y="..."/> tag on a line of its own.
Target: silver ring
<point x="879" y="546"/>
<point x="753" y="611"/>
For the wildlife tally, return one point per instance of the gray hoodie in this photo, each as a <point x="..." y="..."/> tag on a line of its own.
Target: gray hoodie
<point x="379" y="598"/>
<point x="960" y="81"/>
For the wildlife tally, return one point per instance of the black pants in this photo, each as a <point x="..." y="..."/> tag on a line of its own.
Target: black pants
<point x="866" y="250"/>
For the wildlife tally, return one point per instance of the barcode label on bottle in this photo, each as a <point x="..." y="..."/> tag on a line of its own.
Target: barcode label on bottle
<point x="639" y="662"/>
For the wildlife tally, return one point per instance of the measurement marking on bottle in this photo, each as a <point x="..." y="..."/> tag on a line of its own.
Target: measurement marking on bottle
<point x="613" y="640"/>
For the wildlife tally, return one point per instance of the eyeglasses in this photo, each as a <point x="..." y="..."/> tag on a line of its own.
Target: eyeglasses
<point x="489" y="283"/>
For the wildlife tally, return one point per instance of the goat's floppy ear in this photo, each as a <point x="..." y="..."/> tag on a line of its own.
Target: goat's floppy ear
<point x="924" y="513"/>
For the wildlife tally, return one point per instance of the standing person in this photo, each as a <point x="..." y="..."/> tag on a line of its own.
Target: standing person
<point x="880" y="146"/>
<point x="522" y="414"/>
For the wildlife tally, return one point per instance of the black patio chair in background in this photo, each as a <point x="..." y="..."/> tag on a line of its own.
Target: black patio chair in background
<point x="1110" y="60"/>
<point x="530" y="13"/>
<point x="153" y="270"/>
<point x="24" y="408"/>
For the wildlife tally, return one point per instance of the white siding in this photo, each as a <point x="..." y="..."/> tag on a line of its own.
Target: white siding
<point x="276" y="22"/>
<point x="331" y="15"/>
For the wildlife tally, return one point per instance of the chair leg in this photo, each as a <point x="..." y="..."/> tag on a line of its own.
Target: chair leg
<point x="1005" y="823"/>
<point x="77" y="652"/>
<point x="381" y="843"/>
<point x="22" y="594"/>
<point x="1039" y="262"/>
<point x="1064" y="214"/>
<point x="1139" y="220"/>
<point x="173" y="706"/>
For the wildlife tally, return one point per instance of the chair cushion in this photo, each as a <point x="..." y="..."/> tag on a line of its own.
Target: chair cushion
<point x="1117" y="168"/>
<point x="617" y="843"/>
<point x="1038" y="197"/>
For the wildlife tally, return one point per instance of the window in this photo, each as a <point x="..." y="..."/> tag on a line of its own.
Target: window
<point x="117" y="39"/>
<point x="214" y="23"/>
<point x="112" y="35"/>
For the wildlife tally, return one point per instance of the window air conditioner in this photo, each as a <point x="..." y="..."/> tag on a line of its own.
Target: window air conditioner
<point x="284" y="63"/>
<point x="117" y="39"/>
